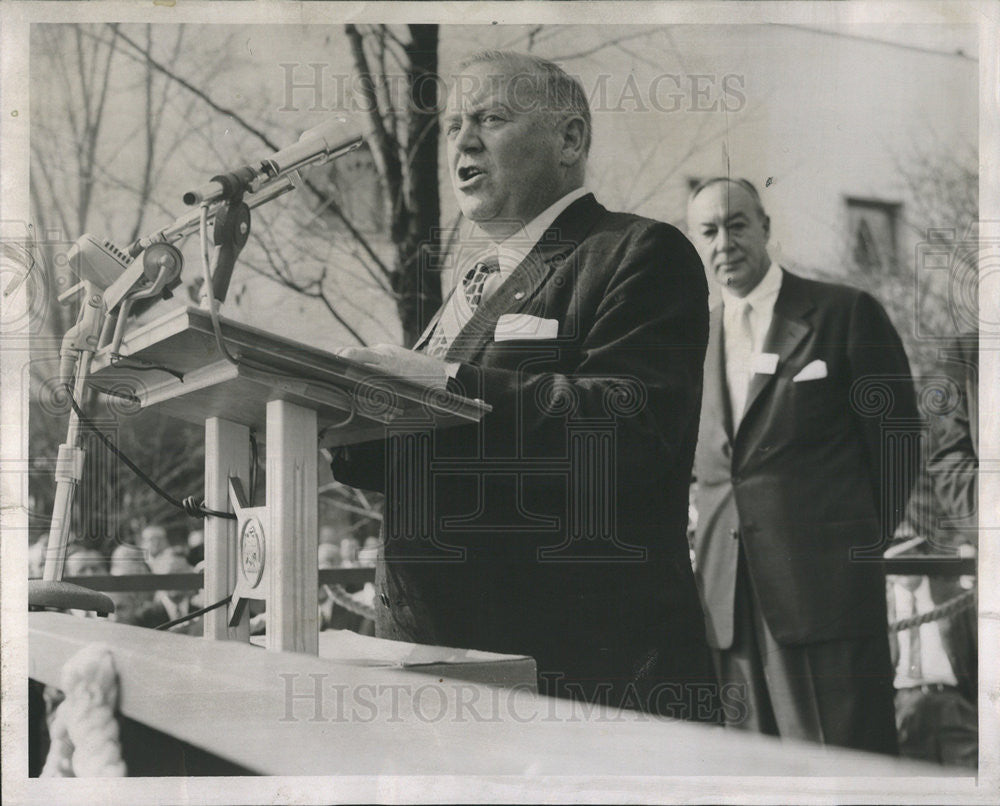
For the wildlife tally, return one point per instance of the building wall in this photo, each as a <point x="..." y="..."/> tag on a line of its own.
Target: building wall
<point x="810" y="117"/>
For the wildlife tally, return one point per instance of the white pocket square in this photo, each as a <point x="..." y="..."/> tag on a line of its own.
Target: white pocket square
<point x="511" y="326"/>
<point x="812" y="371"/>
<point x="764" y="363"/>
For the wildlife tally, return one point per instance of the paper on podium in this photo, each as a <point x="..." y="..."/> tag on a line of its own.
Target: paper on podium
<point x="173" y="362"/>
<point x="472" y="665"/>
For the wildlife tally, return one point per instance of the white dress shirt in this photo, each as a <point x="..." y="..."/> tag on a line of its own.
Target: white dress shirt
<point x="510" y="253"/>
<point x="933" y="665"/>
<point x="740" y="356"/>
<point x="515" y="248"/>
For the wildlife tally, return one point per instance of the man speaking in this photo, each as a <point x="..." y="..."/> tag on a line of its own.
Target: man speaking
<point x="558" y="522"/>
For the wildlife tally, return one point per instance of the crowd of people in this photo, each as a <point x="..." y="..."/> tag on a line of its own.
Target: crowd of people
<point x="154" y="553"/>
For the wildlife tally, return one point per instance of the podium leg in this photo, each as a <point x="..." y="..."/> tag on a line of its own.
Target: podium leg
<point x="227" y="453"/>
<point x="293" y="504"/>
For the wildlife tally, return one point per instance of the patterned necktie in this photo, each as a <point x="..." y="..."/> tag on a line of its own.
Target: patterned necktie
<point x="473" y="284"/>
<point x="475" y="280"/>
<point x="739" y="354"/>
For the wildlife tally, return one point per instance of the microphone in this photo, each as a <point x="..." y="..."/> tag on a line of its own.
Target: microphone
<point x="326" y="139"/>
<point x="318" y="144"/>
<point x="97" y="261"/>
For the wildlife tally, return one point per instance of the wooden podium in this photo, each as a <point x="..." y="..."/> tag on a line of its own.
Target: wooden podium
<point x="299" y="398"/>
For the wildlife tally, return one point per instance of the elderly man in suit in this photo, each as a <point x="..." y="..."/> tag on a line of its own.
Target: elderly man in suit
<point x="557" y="523"/>
<point x="805" y="384"/>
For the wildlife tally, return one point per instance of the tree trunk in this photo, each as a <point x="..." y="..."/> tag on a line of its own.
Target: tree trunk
<point x="417" y="230"/>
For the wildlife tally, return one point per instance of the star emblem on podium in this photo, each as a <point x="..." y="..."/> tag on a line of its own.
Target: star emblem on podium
<point x="251" y="552"/>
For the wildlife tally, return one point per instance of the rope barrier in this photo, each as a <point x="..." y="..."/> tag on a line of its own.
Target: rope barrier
<point x="85" y="740"/>
<point x="954" y="606"/>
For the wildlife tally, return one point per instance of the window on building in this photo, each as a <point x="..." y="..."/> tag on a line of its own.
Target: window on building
<point x="872" y="231"/>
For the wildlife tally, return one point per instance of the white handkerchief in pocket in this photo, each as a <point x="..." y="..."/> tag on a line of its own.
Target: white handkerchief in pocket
<point x="812" y="371"/>
<point x="764" y="363"/>
<point x="511" y="326"/>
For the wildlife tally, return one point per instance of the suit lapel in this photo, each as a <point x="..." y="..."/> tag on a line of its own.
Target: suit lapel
<point x="519" y="290"/>
<point x="788" y="328"/>
<point x="429" y="330"/>
<point x="716" y="390"/>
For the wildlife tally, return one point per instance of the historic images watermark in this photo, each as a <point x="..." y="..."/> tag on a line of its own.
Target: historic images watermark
<point x="955" y="267"/>
<point x="321" y="697"/>
<point x="316" y="87"/>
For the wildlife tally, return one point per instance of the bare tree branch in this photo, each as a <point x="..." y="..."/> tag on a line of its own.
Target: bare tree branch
<point x="281" y="275"/>
<point x="327" y="203"/>
<point x="580" y="54"/>
<point x="390" y="112"/>
<point x="384" y="150"/>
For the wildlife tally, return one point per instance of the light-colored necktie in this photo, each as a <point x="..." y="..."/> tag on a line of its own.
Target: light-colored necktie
<point x="916" y="671"/>
<point x="739" y="353"/>
<point x="474" y="284"/>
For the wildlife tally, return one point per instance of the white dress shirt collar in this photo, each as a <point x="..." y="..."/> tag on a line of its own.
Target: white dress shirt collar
<point x="763" y="295"/>
<point x="513" y="249"/>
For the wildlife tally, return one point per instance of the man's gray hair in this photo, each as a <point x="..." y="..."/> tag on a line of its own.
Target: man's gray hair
<point x="746" y="184"/>
<point x="557" y="90"/>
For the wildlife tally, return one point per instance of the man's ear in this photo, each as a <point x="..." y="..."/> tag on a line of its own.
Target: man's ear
<point x="573" y="133"/>
<point x="766" y="221"/>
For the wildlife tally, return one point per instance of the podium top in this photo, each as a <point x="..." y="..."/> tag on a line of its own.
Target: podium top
<point x="173" y="362"/>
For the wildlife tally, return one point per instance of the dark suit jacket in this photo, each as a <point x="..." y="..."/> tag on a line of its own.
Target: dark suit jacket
<point x="954" y="431"/>
<point x="806" y="481"/>
<point x="593" y="581"/>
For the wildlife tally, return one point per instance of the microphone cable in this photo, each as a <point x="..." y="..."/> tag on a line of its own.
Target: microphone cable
<point x="193" y="614"/>
<point x="190" y="505"/>
<point x="213" y="312"/>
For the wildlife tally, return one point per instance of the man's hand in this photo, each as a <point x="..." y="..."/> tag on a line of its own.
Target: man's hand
<point x="395" y="360"/>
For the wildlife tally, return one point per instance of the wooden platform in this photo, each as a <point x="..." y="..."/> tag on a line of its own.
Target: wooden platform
<point x="292" y="714"/>
<point x="473" y="665"/>
<point x="182" y="341"/>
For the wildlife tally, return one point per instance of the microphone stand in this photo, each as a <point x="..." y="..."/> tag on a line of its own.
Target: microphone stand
<point x="104" y="313"/>
<point x="75" y="354"/>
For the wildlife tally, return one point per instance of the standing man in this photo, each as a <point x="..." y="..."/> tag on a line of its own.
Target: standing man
<point x="585" y="331"/>
<point x="797" y="487"/>
<point x="954" y="450"/>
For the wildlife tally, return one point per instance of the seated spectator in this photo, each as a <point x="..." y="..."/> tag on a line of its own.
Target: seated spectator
<point x="36" y="557"/>
<point x="85" y="562"/>
<point x="153" y="541"/>
<point x="128" y="559"/>
<point x="134" y="607"/>
<point x="175" y="603"/>
<point x="369" y="552"/>
<point x="349" y="552"/>
<point x="196" y="549"/>
<point x="328" y="555"/>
